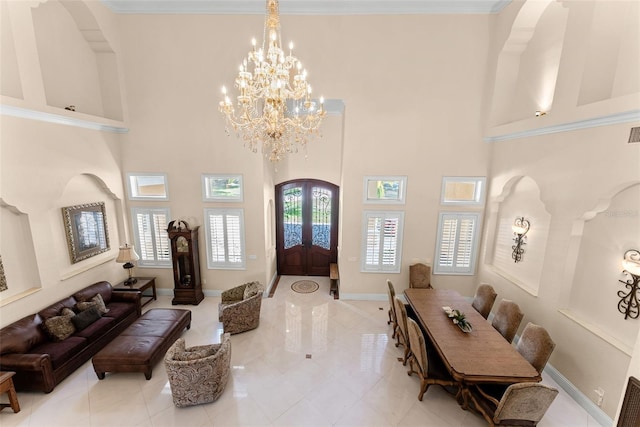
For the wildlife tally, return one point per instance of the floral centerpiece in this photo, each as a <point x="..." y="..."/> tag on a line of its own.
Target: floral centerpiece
<point x="458" y="318"/>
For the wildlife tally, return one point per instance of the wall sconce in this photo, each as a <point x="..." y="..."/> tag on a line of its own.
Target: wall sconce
<point x="520" y="228"/>
<point x="628" y="304"/>
<point x="126" y="255"/>
<point x="540" y="113"/>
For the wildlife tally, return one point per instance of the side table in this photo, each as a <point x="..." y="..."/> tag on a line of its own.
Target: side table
<point x="142" y="284"/>
<point x="6" y="386"/>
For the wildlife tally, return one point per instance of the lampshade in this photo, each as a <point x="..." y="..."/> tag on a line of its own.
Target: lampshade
<point x="127" y="254"/>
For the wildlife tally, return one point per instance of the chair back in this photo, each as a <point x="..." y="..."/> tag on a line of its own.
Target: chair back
<point x="419" y="276"/>
<point x="535" y="345"/>
<point x="484" y="299"/>
<point x="392" y="296"/>
<point x="418" y="346"/>
<point x="401" y="313"/>
<point x="507" y="319"/>
<point x="524" y="401"/>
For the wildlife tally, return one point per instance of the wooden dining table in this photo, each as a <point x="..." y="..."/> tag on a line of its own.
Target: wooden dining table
<point x="481" y="356"/>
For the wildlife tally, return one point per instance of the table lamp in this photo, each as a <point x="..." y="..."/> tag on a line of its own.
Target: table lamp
<point x="126" y="255"/>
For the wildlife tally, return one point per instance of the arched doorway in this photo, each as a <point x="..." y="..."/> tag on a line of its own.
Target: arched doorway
<point x="306" y="227"/>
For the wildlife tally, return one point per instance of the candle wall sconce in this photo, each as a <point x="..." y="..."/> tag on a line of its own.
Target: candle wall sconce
<point x="628" y="304"/>
<point x="520" y="228"/>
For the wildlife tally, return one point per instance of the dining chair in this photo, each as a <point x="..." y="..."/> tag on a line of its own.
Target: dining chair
<point x="523" y="404"/>
<point x="393" y="320"/>
<point x="535" y="345"/>
<point x="507" y="319"/>
<point x="420" y="363"/>
<point x="402" y="333"/>
<point x="420" y="276"/>
<point x="484" y="299"/>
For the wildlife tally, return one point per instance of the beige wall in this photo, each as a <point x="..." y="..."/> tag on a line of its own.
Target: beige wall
<point x="420" y="93"/>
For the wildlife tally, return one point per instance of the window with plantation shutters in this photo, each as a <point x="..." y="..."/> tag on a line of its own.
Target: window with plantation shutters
<point x="456" y="246"/>
<point x="225" y="238"/>
<point x="382" y="241"/>
<point x="150" y="235"/>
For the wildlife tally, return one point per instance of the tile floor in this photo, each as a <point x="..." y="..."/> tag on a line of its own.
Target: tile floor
<point x="352" y="378"/>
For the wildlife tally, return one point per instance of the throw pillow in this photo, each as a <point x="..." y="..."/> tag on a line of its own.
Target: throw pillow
<point x="252" y="289"/>
<point x="67" y="312"/>
<point x="85" y="318"/>
<point x="85" y="305"/>
<point x="100" y="303"/>
<point x="59" y="328"/>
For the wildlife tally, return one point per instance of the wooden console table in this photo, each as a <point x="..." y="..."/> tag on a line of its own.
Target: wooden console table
<point x="142" y="284"/>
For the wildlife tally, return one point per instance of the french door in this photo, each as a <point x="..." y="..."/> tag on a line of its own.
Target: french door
<point x="306" y="227"/>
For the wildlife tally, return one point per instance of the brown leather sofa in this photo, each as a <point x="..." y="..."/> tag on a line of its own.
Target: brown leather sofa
<point x="41" y="361"/>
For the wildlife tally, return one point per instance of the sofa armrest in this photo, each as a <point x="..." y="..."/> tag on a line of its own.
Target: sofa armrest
<point x="133" y="296"/>
<point x="26" y="362"/>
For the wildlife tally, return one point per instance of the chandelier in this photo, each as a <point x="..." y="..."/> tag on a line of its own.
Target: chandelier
<point x="274" y="108"/>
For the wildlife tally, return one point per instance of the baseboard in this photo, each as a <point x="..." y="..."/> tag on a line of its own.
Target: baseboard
<point x="581" y="399"/>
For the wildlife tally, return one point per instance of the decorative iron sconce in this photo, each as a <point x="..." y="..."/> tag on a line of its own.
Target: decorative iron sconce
<point x="628" y="304"/>
<point x="520" y="228"/>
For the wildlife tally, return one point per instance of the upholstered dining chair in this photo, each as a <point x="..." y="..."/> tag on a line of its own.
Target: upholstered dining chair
<point x="484" y="299"/>
<point x="507" y="319"/>
<point x="420" y="276"/>
<point x="522" y="404"/>
<point x="239" y="309"/>
<point x="402" y="333"/>
<point x="535" y="345"/>
<point x="393" y="320"/>
<point x="198" y="374"/>
<point x="427" y="370"/>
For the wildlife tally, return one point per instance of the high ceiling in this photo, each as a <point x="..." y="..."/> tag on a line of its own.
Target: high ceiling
<point x="308" y="7"/>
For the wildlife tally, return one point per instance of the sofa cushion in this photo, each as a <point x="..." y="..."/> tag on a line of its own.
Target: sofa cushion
<point x="59" y="327"/>
<point x="61" y="352"/>
<point x="120" y="310"/>
<point x="97" y="329"/>
<point x="85" y="318"/>
<point x="102" y="288"/>
<point x="56" y="308"/>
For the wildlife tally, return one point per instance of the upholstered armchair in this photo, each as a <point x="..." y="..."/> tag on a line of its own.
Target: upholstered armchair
<point x="523" y="404"/>
<point x="198" y="374"/>
<point x="402" y="334"/>
<point x="484" y="299"/>
<point x="420" y="276"/>
<point x="239" y="310"/>
<point x="535" y="345"/>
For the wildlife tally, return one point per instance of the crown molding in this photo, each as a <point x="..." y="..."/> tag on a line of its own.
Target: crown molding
<point x="307" y="7"/>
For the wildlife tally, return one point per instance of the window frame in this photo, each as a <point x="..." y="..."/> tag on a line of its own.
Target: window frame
<point x="155" y="263"/>
<point x="480" y="183"/>
<point x="399" y="179"/>
<point x="207" y="197"/>
<point x="130" y="189"/>
<point x="381" y="268"/>
<point x="438" y="268"/>
<point x="226" y="265"/>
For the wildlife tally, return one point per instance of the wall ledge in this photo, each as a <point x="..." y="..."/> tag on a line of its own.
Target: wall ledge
<point x="88" y="122"/>
<point x="612" y="119"/>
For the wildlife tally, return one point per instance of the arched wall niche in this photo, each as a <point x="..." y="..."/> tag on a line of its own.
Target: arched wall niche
<point x="18" y="254"/>
<point x="78" y="64"/>
<point x="600" y="239"/>
<point x="520" y="197"/>
<point x="528" y="63"/>
<point x="82" y="189"/>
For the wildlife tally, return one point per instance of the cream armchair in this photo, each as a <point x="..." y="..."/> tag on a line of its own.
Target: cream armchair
<point x="239" y="310"/>
<point x="198" y="374"/>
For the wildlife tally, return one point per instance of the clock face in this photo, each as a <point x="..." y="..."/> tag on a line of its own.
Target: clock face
<point x="182" y="245"/>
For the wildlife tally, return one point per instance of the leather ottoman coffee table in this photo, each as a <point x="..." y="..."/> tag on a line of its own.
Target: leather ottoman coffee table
<point x="143" y="343"/>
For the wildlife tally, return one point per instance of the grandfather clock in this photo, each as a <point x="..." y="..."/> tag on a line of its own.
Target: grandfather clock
<point x="187" y="287"/>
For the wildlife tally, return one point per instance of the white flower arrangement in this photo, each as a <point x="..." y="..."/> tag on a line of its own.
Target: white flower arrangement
<point x="458" y="318"/>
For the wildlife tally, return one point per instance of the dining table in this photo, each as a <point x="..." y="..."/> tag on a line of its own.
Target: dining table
<point x="479" y="356"/>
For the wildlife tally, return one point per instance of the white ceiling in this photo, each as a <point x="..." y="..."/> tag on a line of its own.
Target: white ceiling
<point x="308" y="7"/>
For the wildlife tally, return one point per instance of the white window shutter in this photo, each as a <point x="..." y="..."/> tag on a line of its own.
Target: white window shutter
<point x="456" y="246"/>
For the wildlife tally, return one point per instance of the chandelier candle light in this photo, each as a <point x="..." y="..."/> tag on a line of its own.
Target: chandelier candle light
<point x="274" y="106"/>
